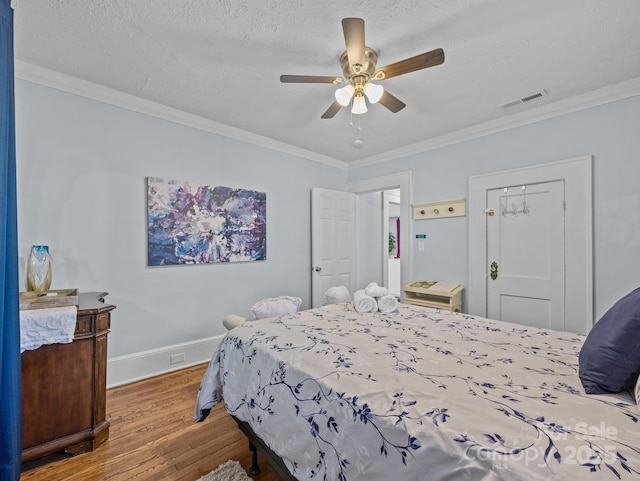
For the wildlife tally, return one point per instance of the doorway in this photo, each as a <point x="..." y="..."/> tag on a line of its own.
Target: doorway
<point x="401" y="185"/>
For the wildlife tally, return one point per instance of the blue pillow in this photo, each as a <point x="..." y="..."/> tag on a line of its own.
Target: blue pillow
<point x="609" y="360"/>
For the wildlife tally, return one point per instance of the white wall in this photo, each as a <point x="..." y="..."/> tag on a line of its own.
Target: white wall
<point x="81" y="168"/>
<point x="608" y="132"/>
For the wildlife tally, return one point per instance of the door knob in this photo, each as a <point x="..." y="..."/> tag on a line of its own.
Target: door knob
<point x="317" y="268"/>
<point x="494" y="270"/>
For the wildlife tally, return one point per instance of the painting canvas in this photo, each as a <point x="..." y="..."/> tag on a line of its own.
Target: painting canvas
<point x="192" y="223"/>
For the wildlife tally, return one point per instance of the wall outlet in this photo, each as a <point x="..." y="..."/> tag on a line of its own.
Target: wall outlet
<point x="177" y="358"/>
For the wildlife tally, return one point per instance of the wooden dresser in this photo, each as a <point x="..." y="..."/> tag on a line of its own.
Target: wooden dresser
<point x="64" y="387"/>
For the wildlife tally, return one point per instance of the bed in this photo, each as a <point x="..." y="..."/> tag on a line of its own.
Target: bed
<point x="419" y="394"/>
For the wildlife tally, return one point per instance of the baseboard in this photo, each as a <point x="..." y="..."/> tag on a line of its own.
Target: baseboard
<point x="145" y="364"/>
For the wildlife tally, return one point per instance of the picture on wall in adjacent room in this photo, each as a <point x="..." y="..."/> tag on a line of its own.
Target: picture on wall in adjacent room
<point x="190" y="223"/>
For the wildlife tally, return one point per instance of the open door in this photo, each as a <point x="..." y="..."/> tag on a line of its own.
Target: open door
<point x="391" y="241"/>
<point x="333" y="241"/>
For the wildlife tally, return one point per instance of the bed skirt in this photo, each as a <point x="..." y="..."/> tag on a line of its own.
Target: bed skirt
<point x="257" y="445"/>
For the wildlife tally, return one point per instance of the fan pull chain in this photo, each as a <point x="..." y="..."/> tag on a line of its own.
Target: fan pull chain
<point x="358" y="127"/>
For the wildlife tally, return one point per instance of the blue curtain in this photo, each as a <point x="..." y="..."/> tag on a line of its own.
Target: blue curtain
<point x="10" y="383"/>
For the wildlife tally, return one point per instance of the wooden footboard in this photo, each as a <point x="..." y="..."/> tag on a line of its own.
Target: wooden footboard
<point x="256" y="444"/>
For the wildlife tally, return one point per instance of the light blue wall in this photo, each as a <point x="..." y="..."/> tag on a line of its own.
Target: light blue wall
<point x="82" y="166"/>
<point x="81" y="170"/>
<point x="370" y="245"/>
<point x="611" y="133"/>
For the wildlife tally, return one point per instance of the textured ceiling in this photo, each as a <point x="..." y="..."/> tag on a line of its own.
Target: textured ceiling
<point x="221" y="60"/>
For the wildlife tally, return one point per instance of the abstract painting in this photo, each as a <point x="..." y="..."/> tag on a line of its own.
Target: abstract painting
<point x="191" y="223"/>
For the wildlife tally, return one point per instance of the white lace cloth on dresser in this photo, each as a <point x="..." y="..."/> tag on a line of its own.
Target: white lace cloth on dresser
<point x="46" y="326"/>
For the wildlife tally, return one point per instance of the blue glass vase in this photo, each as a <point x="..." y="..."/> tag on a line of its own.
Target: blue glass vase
<point x="38" y="269"/>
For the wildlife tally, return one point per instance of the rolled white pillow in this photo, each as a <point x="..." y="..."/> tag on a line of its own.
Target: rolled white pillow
<point x="374" y="290"/>
<point x="364" y="303"/>
<point x="335" y="295"/>
<point x="387" y="304"/>
<point x="231" y="320"/>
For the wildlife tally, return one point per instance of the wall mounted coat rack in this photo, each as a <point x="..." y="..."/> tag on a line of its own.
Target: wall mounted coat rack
<point x="440" y="209"/>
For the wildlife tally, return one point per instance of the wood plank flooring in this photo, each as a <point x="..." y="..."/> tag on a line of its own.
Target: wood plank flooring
<point x="153" y="437"/>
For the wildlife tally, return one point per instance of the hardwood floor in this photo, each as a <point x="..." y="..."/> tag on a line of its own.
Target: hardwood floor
<point x="153" y="437"/>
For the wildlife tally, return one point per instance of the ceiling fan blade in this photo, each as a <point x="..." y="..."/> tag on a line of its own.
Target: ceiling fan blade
<point x="354" y="39"/>
<point x="332" y="110"/>
<point x="424" y="60"/>
<point x="392" y="103"/>
<point x="310" y="79"/>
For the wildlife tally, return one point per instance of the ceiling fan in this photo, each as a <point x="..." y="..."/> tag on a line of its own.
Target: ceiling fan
<point x="358" y="64"/>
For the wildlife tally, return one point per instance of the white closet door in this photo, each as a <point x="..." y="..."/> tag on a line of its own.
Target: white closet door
<point x="526" y="255"/>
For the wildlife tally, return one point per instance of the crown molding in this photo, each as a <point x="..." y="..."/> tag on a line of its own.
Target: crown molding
<point x="605" y="95"/>
<point x="49" y="78"/>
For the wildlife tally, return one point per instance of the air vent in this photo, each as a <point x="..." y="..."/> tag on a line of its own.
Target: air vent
<point x="527" y="98"/>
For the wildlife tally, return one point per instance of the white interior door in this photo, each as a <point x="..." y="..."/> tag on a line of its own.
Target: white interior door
<point x="526" y="255"/>
<point x="333" y="241"/>
<point x="575" y="173"/>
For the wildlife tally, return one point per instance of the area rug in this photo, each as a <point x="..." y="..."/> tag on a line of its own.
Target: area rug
<point x="229" y="471"/>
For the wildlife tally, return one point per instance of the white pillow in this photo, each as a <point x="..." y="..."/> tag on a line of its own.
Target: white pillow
<point x="276" y="306"/>
<point x="336" y="294"/>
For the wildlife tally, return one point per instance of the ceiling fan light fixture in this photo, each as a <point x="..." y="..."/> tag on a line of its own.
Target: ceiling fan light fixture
<point x="359" y="105"/>
<point x="359" y="65"/>
<point x="373" y="91"/>
<point x="344" y="94"/>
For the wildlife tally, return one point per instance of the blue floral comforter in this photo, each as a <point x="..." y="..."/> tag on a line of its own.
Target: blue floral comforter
<point x="420" y="394"/>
